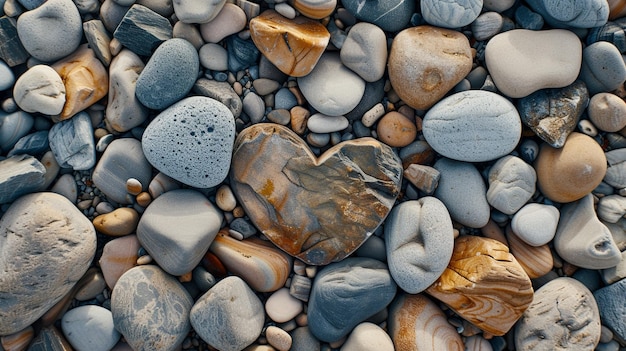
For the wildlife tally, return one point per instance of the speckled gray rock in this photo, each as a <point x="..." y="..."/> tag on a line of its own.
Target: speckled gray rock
<point x="142" y="30"/>
<point x="220" y="91"/>
<point x="562" y="316"/>
<point x="46" y="247"/>
<point x="235" y="308"/>
<point x="90" y="327"/>
<point x="192" y="141"/>
<point x="51" y="31"/>
<point x="603" y="68"/>
<point x="462" y="190"/>
<point x="554" y="113"/>
<point x="610" y="300"/>
<point x="177" y="229"/>
<point x="72" y="143"/>
<point x="122" y="159"/>
<point x="40" y="89"/>
<point x="511" y="184"/>
<point x="419" y="241"/>
<point x="358" y="286"/>
<point x="19" y="175"/>
<point x="473" y="126"/>
<point x="365" y="51"/>
<point x="450" y="14"/>
<point x="169" y="75"/>
<point x="157" y="318"/>
<point x="578" y="14"/>
<point x="124" y="111"/>
<point x="391" y="15"/>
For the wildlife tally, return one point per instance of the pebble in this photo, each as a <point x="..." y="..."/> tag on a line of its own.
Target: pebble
<point x="225" y="199"/>
<point x="90" y="328"/>
<point x="611" y="208"/>
<point x="213" y="57"/>
<point x="347" y="286"/>
<point x="422" y="80"/>
<point x="365" y="51"/>
<point x="536" y="223"/>
<point x="20" y="175"/>
<point x="112" y="14"/>
<point x="222" y="92"/>
<point x="40" y="89"/>
<point x="142" y="30"/>
<point x="603" y="68"/>
<point x="484" y="279"/>
<point x="462" y="190"/>
<point x="563" y="315"/>
<point x="66" y="186"/>
<point x="304" y="340"/>
<point x="511" y="184"/>
<point x="368" y="336"/>
<point x="254" y="107"/>
<point x="320" y="123"/>
<point x="281" y="307"/>
<point x="617" y="273"/>
<point x="124" y="111"/>
<point x="99" y="40"/>
<point x="536" y="261"/>
<point x="51" y="31"/>
<point x="121" y="221"/>
<point x="285" y="10"/>
<point x="612" y="32"/>
<point x="611" y="307"/>
<point x="616" y="170"/>
<point x="13" y="53"/>
<point x="50" y="338"/>
<point x="425" y="178"/>
<point x="278" y="338"/>
<point x="52" y="169"/>
<point x="538" y="57"/>
<point x="242" y="53"/>
<point x="331" y="88"/>
<point x="582" y="240"/>
<point x="373" y="94"/>
<point x="197" y="11"/>
<point x="14" y="126"/>
<point x="230" y="20"/>
<point x="589" y="14"/>
<point x="487" y="25"/>
<point x="189" y="32"/>
<point x="140" y="318"/>
<point x="177" y="229"/>
<point x="233" y="306"/>
<point x="396" y="130"/>
<point x="48" y="245"/>
<point x="315" y="9"/>
<point x="417" y="323"/>
<point x="300" y="287"/>
<point x="94" y="285"/>
<point x="419" y="242"/>
<point x="281" y="116"/>
<point x="607" y="112"/>
<point x="265" y="86"/>
<point x="18" y="341"/>
<point x="390" y="16"/>
<point x="571" y="172"/>
<point x="33" y="144"/>
<point x="7" y="78"/>
<point x="452" y="14"/>
<point x="72" y="143"/>
<point x="118" y="256"/>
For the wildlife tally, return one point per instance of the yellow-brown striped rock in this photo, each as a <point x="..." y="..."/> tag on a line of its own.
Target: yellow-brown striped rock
<point x="536" y="260"/>
<point x="121" y="221"/>
<point x="294" y="46"/>
<point x="417" y="323"/>
<point x="484" y="284"/>
<point x="316" y="9"/>
<point x="17" y="341"/>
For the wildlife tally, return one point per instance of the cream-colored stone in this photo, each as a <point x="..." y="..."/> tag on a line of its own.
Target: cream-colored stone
<point x="607" y="112"/>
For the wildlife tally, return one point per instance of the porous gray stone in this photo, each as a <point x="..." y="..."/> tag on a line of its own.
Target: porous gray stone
<point x="46" y="246"/>
<point x="142" y="30"/>
<point x="512" y="183"/>
<point x="19" y="175"/>
<point x="124" y="111"/>
<point x="72" y="143"/>
<point x="220" y="91"/>
<point x="603" y="68"/>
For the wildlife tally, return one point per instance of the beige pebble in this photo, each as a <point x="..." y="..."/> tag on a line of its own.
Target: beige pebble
<point x="299" y="118"/>
<point x="225" y="199"/>
<point x="118" y="256"/>
<point x="372" y="115"/>
<point x="231" y="19"/>
<point x="302" y="320"/>
<point x="122" y="221"/>
<point x="586" y="127"/>
<point x="607" y="112"/>
<point x="133" y="186"/>
<point x="282" y="307"/>
<point x="143" y="199"/>
<point x="93" y="286"/>
<point x="395" y="130"/>
<point x="143" y="260"/>
<point x="238" y="212"/>
<point x="278" y="338"/>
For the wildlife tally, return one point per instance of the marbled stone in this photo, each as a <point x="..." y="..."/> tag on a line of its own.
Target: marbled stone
<point x="13" y="126"/>
<point x="563" y="315"/>
<point x="220" y="91"/>
<point x="536" y="223"/>
<point x="511" y="184"/>
<point x="586" y="14"/>
<point x="20" y="175"/>
<point x="419" y="241"/>
<point x="359" y="287"/>
<point x="316" y="209"/>
<point x="554" y="113"/>
<point x="169" y="74"/>
<point x="197" y="11"/>
<point x="421" y="79"/>
<point x="99" y="40"/>
<point x="316" y="9"/>
<point x="484" y="284"/>
<point x="49" y="339"/>
<point x="259" y="263"/>
<point x="368" y="336"/>
<point x="230" y="20"/>
<point x="235" y="308"/>
<point x="543" y="59"/>
<point x="602" y="69"/>
<point x="473" y="126"/>
<point x="158" y="317"/>
<point x="581" y="239"/>
<point x="417" y="323"/>
<point x="611" y="306"/>
<point x="365" y="51"/>
<point x="124" y="111"/>
<point x="425" y="178"/>
<point x="191" y="141"/>
<point x="90" y="328"/>
<point x="40" y="89"/>
<point x="177" y="229"/>
<point x="46" y="247"/>
<point x="72" y="143"/>
<point x="18" y="340"/>
<point x="118" y="256"/>
<point x="450" y="14"/>
<point x="142" y="30"/>
<point x="391" y="16"/>
<point x="12" y="51"/>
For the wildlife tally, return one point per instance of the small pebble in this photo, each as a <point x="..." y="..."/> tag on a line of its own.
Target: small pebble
<point x="282" y="307"/>
<point x="395" y="130"/>
<point x="278" y="338"/>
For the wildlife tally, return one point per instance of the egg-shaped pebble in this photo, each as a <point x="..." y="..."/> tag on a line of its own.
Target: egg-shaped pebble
<point x="368" y="336"/>
<point x="511" y="184"/>
<point x="321" y="123"/>
<point x="230" y="20"/>
<point x="90" y="327"/>
<point x="214" y="57"/>
<point x="603" y="68"/>
<point x="536" y="223"/>
<point x="396" y="130"/>
<point x="40" y="89"/>
<point x="122" y="221"/>
<point x="278" y="338"/>
<point x="607" y="112"/>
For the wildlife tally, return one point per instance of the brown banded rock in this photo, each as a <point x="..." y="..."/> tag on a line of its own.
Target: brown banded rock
<point x="536" y="260"/>
<point x="484" y="284"/>
<point x="316" y="9"/>
<point x="317" y="209"/>
<point x="294" y="46"/>
<point x="426" y="62"/>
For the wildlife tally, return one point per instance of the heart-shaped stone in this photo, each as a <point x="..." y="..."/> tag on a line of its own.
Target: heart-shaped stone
<point x="316" y="209"/>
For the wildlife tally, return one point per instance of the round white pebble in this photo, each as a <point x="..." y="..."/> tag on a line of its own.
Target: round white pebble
<point x="282" y="307"/>
<point x="321" y="123"/>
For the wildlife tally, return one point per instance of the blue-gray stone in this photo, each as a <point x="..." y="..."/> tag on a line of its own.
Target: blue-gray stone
<point x="451" y="13"/>
<point x="528" y="19"/>
<point x="20" y="175"/>
<point x="11" y="51"/>
<point x="243" y="227"/>
<point x="589" y="277"/>
<point x="241" y="53"/>
<point x="373" y="94"/>
<point x="7" y="78"/>
<point x="612" y="31"/>
<point x="142" y="30"/>
<point x="610" y="300"/>
<point x="72" y="143"/>
<point x="31" y="144"/>
<point x="390" y="15"/>
<point x="169" y="75"/>
<point x="603" y="67"/>
<point x="358" y="287"/>
<point x="304" y="340"/>
<point x="284" y="99"/>
<point x="112" y="14"/>
<point x="577" y="14"/>
<point x="220" y="91"/>
<point x="31" y="4"/>
<point x="13" y="126"/>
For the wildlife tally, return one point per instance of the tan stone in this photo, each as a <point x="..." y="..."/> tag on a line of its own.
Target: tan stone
<point x="426" y="62"/>
<point x="317" y="209"/>
<point x="118" y="256"/>
<point x="536" y="260"/>
<point x="571" y="172"/>
<point x="484" y="284"/>
<point x="86" y="80"/>
<point x="425" y="178"/>
<point x="293" y="46"/>
<point x="395" y="130"/>
<point x="121" y="221"/>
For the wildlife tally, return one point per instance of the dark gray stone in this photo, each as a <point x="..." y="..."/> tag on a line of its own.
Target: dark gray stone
<point x="11" y="51"/>
<point x="528" y="19"/>
<point x="241" y="53"/>
<point x="19" y="175"/>
<point x="304" y="340"/>
<point x="220" y="91"/>
<point x="390" y="15"/>
<point x="72" y="142"/>
<point x="358" y="287"/>
<point x="603" y="68"/>
<point x="612" y="31"/>
<point x="111" y="14"/>
<point x="142" y="30"/>
<point x="31" y="144"/>
<point x="612" y="308"/>
<point x="284" y="99"/>
<point x="243" y="227"/>
<point x="373" y="94"/>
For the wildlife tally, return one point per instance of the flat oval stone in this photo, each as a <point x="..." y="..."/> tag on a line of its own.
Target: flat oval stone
<point x="191" y="141"/>
<point x="419" y="241"/>
<point x="40" y="89"/>
<point x="47" y="245"/>
<point x="539" y="58"/>
<point x="535" y="223"/>
<point x="281" y="307"/>
<point x="450" y="14"/>
<point x="124" y="111"/>
<point x="90" y="327"/>
<point x="275" y="175"/>
<point x="602" y="70"/>
<point x="563" y="315"/>
<point x="473" y="126"/>
<point x="141" y="317"/>
<point x="391" y="15"/>
<point x="320" y="123"/>
<point x="347" y="286"/>
<point x="511" y="184"/>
